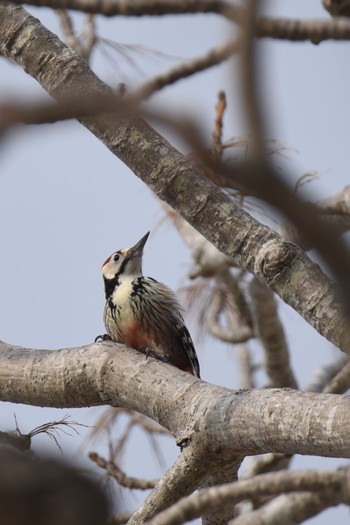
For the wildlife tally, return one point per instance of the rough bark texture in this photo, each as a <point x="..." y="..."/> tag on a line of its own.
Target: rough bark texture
<point x="222" y="423"/>
<point x="281" y="265"/>
<point x="183" y="477"/>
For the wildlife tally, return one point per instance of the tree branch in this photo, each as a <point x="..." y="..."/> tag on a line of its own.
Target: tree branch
<point x="211" y="58"/>
<point x="281" y="265"/>
<point x="116" y="472"/>
<point x="215" y="498"/>
<point x="182" y="478"/>
<point x="192" y="410"/>
<point x="270" y="330"/>
<point x="314" y="31"/>
<point x="295" y="508"/>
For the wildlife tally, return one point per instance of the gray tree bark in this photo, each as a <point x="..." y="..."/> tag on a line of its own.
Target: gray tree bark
<point x="279" y="264"/>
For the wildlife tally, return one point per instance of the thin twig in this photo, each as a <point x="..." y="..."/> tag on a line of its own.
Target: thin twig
<point x="212" y="58"/>
<point x="68" y="31"/>
<point x="89" y="37"/>
<point x="217" y="147"/>
<point x="115" y="472"/>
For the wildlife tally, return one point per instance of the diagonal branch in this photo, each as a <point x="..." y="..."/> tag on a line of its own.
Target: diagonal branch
<point x="212" y="58"/>
<point x="116" y="472"/>
<point x="181" y="479"/>
<point x="295" y="508"/>
<point x="280" y="265"/>
<point x="216" y="498"/>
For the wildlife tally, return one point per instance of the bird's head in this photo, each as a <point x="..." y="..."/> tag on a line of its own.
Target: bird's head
<point x="127" y="261"/>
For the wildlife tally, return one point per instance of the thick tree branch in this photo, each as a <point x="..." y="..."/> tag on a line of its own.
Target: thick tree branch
<point x="280" y="265"/>
<point x="223" y="423"/>
<point x="182" y="478"/>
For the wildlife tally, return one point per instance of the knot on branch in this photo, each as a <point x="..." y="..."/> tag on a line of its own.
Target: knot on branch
<point x="274" y="259"/>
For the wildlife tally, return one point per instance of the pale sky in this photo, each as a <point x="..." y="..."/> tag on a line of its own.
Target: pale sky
<point x="66" y="202"/>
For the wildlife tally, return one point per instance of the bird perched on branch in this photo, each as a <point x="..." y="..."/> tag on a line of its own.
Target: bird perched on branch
<point x="143" y="313"/>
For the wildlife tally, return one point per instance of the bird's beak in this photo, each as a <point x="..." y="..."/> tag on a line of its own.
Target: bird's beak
<point x="138" y="248"/>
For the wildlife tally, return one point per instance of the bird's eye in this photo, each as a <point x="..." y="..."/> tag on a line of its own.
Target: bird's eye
<point x="116" y="257"/>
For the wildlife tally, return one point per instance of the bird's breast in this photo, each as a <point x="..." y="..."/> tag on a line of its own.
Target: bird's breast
<point x="122" y="293"/>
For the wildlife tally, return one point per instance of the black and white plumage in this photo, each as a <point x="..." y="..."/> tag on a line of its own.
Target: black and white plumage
<point x="143" y="313"/>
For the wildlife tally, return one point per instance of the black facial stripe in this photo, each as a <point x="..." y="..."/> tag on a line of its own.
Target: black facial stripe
<point x="122" y="267"/>
<point x="110" y="284"/>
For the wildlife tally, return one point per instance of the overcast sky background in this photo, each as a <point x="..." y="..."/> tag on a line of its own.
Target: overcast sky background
<point x="66" y="202"/>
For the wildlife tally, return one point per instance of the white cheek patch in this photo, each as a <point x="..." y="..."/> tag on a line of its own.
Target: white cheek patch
<point x="109" y="270"/>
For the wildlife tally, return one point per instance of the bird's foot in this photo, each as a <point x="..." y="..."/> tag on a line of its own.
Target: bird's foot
<point x="151" y="353"/>
<point x="103" y="337"/>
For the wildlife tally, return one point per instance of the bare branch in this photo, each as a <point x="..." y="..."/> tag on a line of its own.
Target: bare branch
<point x="89" y="36"/>
<point x="265" y="254"/>
<point x="209" y="261"/>
<point x="212" y="58"/>
<point x="217" y="147"/>
<point x="337" y="7"/>
<point x="224" y="473"/>
<point x="116" y="472"/>
<point x="295" y="508"/>
<point x="145" y="7"/>
<point x="297" y="30"/>
<point x="325" y="374"/>
<point x="227" y="297"/>
<point x="267" y="463"/>
<point x="314" y="31"/>
<point x="272" y="336"/>
<point x="82" y="45"/>
<point x="336" y="483"/>
<point x="245" y="365"/>
<point x="187" y="473"/>
<point x="90" y="375"/>
<point x="334" y="212"/>
<point x="68" y="31"/>
<point x="340" y="383"/>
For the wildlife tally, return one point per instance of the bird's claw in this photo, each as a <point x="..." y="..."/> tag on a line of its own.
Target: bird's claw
<point x="151" y="353"/>
<point x="103" y="337"/>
